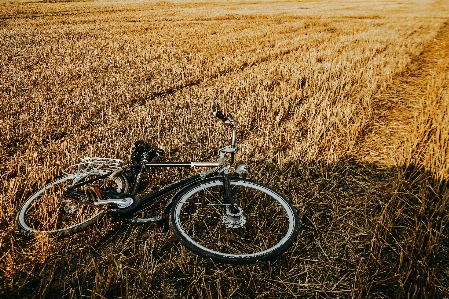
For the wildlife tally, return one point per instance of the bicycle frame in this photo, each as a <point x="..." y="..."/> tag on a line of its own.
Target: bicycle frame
<point x="181" y="184"/>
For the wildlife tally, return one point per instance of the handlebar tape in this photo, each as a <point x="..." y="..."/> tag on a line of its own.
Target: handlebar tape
<point x="217" y="113"/>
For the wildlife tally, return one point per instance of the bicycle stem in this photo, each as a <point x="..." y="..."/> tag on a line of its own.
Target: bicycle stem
<point x="233" y="140"/>
<point x="232" y="122"/>
<point x="234" y="135"/>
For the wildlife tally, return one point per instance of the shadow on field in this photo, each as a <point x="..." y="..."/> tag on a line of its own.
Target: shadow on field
<point x="367" y="232"/>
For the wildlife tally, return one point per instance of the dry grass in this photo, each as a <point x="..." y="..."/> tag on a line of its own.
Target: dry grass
<point x="343" y="108"/>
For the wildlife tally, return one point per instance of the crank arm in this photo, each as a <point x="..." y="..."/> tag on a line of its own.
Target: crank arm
<point x="145" y="220"/>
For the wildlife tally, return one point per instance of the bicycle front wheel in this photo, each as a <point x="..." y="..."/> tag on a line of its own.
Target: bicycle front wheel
<point x="264" y="225"/>
<point x="55" y="211"/>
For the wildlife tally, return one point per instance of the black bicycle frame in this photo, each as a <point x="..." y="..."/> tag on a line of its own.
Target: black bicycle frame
<point x="141" y="203"/>
<point x="151" y="197"/>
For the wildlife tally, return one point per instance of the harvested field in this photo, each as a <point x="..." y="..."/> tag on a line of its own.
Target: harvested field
<point x="344" y="108"/>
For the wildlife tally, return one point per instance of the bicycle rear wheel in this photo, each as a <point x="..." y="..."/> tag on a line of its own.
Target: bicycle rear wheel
<point x="54" y="211"/>
<point x="265" y="225"/>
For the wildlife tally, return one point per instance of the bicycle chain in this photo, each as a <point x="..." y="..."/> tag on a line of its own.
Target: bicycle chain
<point x="72" y="197"/>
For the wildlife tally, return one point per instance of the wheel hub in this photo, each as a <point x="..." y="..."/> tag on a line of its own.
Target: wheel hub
<point x="234" y="219"/>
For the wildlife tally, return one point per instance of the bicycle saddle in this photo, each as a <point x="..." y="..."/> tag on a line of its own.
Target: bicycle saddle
<point x="141" y="147"/>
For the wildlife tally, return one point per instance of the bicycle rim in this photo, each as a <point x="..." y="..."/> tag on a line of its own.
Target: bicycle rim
<point x="51" y="210"/>
<point x="268" y="224"/>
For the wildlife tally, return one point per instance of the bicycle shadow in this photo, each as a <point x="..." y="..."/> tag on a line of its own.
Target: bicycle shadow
<point x="366" y="230"/>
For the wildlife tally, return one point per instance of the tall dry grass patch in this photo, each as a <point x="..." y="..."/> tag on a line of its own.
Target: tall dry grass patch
<point x="428" y="144"/>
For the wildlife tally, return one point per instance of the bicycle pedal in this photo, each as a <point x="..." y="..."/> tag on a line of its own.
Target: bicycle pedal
<point x="162" y="225"/>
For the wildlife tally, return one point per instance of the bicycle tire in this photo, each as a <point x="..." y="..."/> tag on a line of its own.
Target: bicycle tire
<point x="198" y="221"/>
<point x="50" y="210"/>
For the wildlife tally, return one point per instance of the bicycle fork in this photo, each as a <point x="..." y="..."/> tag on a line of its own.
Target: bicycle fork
<point x="234" y="214"/>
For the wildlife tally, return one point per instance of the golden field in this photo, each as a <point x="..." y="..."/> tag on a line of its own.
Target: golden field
<point x="344" y="109"/>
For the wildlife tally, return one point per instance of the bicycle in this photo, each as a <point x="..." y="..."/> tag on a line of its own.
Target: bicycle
<point x="215" y="214"/>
